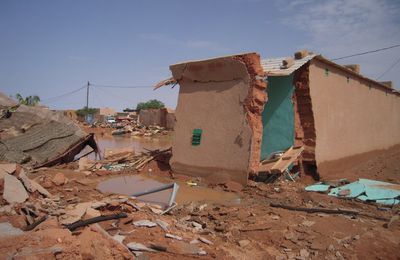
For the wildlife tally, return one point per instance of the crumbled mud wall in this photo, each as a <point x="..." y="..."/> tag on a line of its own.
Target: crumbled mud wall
<point x="304" y="116"/>
<point x="223" y="97"/>
<point x="254" y="106"/>
<point x="352" y="115"/>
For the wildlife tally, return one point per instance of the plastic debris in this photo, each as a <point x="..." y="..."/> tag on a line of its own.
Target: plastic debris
<point x="364" y="190"/>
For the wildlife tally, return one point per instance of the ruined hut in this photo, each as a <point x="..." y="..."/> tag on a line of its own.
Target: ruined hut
<point x="37" y="137"/>
<point x="235" y="111"/>
<point x="164" y="117"/>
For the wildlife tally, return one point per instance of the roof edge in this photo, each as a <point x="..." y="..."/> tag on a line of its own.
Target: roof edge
<point x="360" y="76"/>
<point x="214" y="58"/>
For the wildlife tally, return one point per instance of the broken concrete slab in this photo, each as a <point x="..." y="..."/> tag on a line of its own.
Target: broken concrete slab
<point x="139" y="247"/>
<point x="243" y="243"/>
<point x="74" y="214"/>
<point x="164" y="225"/>
<point x="40" y="189"/>
<point x="91" y="212"/>
<point x="205" y="241"/>
<point x="7" y="168"/>
<point x="98" y="204"/>
<point x="119" y="238"/>
<point x="173" y="236"/>
<point x="14" y="191"/>
<point x="26" y="181"/>
<point x="144" y="223"/>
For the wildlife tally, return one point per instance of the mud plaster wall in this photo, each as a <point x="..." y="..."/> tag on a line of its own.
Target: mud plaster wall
<point x="170" y="120"/>
<point x="154" y="117"/>
<point x="352" y="116"/>
<point x="214" y="96"/>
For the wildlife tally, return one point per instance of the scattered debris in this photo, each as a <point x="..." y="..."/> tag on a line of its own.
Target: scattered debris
<point x="327" y="211"/>
<point x="14" y="191"/>
<point x="173" y="236"/>
<point x="139" y="247"/>
<point x="7" y="230"/>
<point x="74" y="214"/>
<point x="243" y="243"/>
<point x="164" y="225"/>
<point x="144" y="223"/>
<point x="35" y="224"/>
<point x="119" y="238"/>
<point x="364" y="190"/>
<point x="205" y="241"/>
<point x="82" y="223"/>
<point x="59" y="179"/>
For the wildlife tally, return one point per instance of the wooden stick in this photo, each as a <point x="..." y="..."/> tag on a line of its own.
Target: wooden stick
<point x="35" y="224"/>
<point x="315" y="210"/>
<point x="81" y="223"/>
<point x="327" y="211"/>
<point x="144" y="162"/>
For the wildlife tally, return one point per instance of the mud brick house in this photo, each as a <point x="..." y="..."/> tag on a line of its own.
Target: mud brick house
<point x="164" y="117"/>
<point x="235" y="111"/>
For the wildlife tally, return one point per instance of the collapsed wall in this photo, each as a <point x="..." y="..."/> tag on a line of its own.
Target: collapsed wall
<point x="304" y="115"/>
<point x="222" y="99"/>
<point x="38" y="137"/>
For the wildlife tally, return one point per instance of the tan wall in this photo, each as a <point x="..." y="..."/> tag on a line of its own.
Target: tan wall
<point x="350" y="117"/>
<point x="105" y="111"/>
<point x="211" y="97"/>
<point x="170" y="120"/>
<point x="150" y="117"/>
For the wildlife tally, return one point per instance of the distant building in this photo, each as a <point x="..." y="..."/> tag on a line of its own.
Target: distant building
<point x="106" y="111"/>
<point x="163" y="117"/>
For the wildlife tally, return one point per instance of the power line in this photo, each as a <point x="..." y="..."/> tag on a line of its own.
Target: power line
<point x="390" y="68"/>
<point x="115" y="95"/>
<point x="108" y="86"/>
<point x="65" y="94"/>
<point x="367" y="52"/>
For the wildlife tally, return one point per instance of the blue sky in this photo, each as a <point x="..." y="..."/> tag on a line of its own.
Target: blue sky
<point x="50" y="47"/>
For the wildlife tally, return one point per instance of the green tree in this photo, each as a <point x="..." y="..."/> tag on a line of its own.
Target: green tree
<point x="154" y="103"/>
<point x="29" y="100"/>
<point x="86" y="111"/>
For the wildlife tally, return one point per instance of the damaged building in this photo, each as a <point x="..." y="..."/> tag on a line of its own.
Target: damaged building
<point x="235" y="112"/>
<point x="164" y="117"/>
<point x="38" y="137"/>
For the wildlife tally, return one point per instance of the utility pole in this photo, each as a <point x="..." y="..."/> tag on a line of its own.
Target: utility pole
<point x="87" y="95"/>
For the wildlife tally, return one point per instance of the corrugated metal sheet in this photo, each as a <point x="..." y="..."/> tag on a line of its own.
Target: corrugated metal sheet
<point x="273" y="66"/>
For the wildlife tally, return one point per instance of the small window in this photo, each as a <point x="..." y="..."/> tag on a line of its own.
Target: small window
<point x="196" y="136"/>
<point x="326" y="72"/>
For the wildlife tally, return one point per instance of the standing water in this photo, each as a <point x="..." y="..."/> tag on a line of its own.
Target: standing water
<point x="135" y="143"/>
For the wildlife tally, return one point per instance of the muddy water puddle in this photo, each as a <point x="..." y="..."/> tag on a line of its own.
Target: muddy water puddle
<point x="128" y="185"/>
<point x="135" y="143"/>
